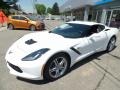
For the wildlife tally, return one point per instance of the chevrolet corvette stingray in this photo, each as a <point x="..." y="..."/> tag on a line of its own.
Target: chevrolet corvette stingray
<point x="50" y="54"/>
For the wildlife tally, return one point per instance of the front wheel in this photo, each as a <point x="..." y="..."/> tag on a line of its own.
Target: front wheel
<point x="32" y="28"/>
<point x="10" y="27"/>
<point x="111" y="44"/>
<point x="56" y="67"/>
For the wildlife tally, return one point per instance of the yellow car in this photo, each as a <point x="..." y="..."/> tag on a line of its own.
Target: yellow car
<point x="24" y="22"/>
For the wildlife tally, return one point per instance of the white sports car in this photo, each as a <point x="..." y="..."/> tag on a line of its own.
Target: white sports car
<point x="49" y="54"/>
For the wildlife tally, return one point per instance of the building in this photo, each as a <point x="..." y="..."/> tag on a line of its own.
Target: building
<point x="103" y="11"/>
<point x="107" y="13"/>
<point x="81" y="9"/>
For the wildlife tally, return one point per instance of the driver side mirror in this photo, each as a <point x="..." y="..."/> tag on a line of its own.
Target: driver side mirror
<point x="26" y="20"/>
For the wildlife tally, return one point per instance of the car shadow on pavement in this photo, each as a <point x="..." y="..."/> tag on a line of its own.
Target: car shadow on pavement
<point x="37" y="82"/>
<point x="117" y="57"/>
<point x="29" y="29"/>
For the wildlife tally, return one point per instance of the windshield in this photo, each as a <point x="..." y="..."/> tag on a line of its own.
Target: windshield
<point x="72" y="30"/>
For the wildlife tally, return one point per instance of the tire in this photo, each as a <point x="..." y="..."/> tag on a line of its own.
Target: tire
<point x="111" y="44"/>
<point x="56" y="67"/>
<point x="32" y="28"/>
<point x="10" y="27"/>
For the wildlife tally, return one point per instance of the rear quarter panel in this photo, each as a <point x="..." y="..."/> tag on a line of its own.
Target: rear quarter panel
<point x="112" y="32"/>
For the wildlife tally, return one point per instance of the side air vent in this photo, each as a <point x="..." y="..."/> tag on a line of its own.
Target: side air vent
<point x="75" y="50"/>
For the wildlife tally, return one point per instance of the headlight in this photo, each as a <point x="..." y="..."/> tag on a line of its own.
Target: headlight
<point x="35" y="55"/>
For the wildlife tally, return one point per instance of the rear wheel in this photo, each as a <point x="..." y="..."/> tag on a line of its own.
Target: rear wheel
<point x="32" y="28"/>
<point x="111" y="44"/>
<point x="56" y="67"/>
<point x="10" y="27"/>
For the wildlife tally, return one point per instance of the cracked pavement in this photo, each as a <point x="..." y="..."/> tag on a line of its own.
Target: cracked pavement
<point x="100" y="71"/>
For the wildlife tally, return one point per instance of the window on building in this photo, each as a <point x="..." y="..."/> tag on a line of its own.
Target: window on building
<point x="99" y="15"/>
<point x="115" y="20"/>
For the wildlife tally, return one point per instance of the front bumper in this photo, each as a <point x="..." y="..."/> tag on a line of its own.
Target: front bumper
<point x="33" y="73"/>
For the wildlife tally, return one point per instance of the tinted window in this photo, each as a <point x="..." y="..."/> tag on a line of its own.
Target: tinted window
<point x="22" y="18"/>
<point x="96" y="29"/>
<point x="15" y="17"/>
<point x="72" y="30"/>
<point x="101" y="27"/>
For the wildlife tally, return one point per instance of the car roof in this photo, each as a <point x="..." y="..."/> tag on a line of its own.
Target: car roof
<point x="84" y="22"/>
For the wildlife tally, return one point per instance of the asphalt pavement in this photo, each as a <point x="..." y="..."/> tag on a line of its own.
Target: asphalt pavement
<point x="100" y="71"/>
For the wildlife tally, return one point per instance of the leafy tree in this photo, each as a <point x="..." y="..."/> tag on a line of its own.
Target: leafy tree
<point x="49" y="10"/>
<point x="55" y="9"/>
<point x="41" y="9"/>
<point x="6" y="4"/>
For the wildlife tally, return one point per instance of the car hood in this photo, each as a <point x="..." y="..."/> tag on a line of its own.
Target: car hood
<point x="35" y="41"/>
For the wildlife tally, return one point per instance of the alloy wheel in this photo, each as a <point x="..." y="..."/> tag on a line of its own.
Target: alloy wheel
<point x="58" y="67"/>
<point x="111" y="44"/>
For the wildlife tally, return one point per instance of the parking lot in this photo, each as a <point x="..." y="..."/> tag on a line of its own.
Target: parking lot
<point x="100" y="71"/>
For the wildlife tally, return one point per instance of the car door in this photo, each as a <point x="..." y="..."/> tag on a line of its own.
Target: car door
<point x="23" y="22"/>
<point x="98" y="39"/>
<point x="84" y="48"/>
<point x="15" y="21"/>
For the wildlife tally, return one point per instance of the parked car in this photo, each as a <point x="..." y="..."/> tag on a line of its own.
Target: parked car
<point x="25" y="22"/>
<point x="50" y="54"/>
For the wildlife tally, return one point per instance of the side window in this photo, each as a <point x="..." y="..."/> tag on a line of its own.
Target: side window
<point x="93" y="29"/>
<point x="100" y="28"/>
<point x="15" y="17"/>
<point x="22" y="18"/>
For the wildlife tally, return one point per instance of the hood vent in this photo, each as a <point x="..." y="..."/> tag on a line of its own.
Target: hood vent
<point x="29" y="42"/>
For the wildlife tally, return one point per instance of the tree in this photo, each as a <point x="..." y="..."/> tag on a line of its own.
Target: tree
<point x="55" y="9"/>
<point x="5" y="5"/>
<point x="10" y="2"/>
<point x="49" y="10"/>
<point x="41" y="9"/>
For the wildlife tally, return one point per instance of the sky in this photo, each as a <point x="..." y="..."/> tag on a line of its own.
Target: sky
<point x="27" y="6"/>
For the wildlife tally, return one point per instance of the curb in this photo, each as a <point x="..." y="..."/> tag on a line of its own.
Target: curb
<point x="3" y="28"/>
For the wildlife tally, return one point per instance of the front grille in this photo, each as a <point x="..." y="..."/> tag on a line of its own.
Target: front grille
<point x="16" y="68"/>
